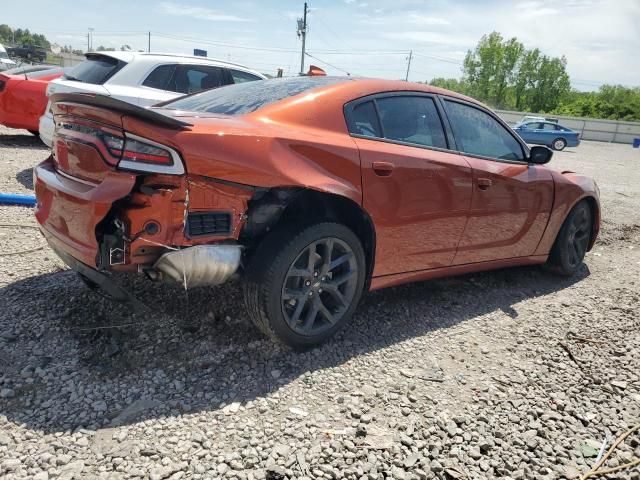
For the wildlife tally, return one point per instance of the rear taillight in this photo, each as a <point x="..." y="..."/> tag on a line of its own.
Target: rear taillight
<point x="144" y="155"/>
<point x="128" y="152"/>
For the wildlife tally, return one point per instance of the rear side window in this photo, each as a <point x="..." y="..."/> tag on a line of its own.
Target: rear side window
<point x="411" y="119"/>
<point x="160" y="77"/>
<point x="478" y="133"/>
<point x="248" y="97"/>
<point x="549" y="126"/>
<point x="96" y="69"/>
<point x="241" y="77"/>
<point x="364" y="120"/>
<point x="195" y="78"/>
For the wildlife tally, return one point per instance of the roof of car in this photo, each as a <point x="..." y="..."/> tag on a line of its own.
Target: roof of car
<point x="128" y="56"/>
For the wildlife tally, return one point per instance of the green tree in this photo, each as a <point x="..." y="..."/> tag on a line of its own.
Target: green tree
<point x="506" y="75"/>
<point x="452" y="84"/>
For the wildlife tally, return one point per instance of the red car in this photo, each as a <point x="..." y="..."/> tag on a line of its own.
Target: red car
<point x="313" y="189"/>
<point x="23" y="97"/>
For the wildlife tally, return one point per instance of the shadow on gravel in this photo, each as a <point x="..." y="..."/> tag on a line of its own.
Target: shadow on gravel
<point x="22" y="140"/>
<point x="67" y="370"/>
<point x="25" y="178"/>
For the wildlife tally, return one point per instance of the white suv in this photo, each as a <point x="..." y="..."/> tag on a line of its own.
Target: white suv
<point x="143" y="79"/>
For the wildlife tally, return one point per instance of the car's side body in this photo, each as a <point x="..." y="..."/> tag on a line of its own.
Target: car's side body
<point x="312" y="189"/>
<point x="23" y="97"/>
<point x="432" y="216"/>
<point x="545" y="133"/>
<point x="142" y="79"/>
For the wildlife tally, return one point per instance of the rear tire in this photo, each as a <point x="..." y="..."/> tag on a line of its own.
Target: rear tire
<point x="559" y="144"/>
<point x="572" y="241"/>
<point x="303" y="284"/>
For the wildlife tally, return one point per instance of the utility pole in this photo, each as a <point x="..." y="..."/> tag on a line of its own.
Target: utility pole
<point x="90" y="39"/>
<point x="149" y="44"/>
<point x="88" y="43"/>
<point x="302" y="32"/>
<point x="406" y="77"/>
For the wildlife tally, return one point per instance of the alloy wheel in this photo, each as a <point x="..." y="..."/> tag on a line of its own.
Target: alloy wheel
<point x="319" y="286"/>
<point x="578" y="236"/>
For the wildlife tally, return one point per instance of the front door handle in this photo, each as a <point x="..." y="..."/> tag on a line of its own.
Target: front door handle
<point x="383" y="169"/>
<point x="484" y="183"/>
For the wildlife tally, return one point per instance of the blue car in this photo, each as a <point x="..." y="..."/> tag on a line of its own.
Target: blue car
<point x="548" y="133"/>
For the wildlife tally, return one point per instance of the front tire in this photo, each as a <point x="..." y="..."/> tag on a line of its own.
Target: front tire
<point x="303" y="284"/>
<point x="572" y="242"/>
<point x="559" y="144"/>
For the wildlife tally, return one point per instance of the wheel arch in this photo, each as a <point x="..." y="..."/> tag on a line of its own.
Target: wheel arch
<point x="274" y="207"/>
<point x="594" y="208"/>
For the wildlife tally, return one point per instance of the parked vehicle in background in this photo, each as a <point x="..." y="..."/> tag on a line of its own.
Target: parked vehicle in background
<point x="5" y="61"/>
<point x="28" y="52"/>
<point x="547" y="133"/>
<point x="23" y="96"/>
<point x="530" y="118"/>
<point x="312" y="189"/>
<point x="144" y="79"/>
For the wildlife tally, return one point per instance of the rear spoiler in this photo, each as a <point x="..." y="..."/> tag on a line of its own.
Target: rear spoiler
<point x="113" y="104"/>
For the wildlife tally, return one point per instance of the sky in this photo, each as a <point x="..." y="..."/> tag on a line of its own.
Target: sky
<point x="599" y="38"/>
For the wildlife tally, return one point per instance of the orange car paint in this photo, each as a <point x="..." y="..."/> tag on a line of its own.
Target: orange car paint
<point x="23" y="100"/>
<point x="435" y="212"/>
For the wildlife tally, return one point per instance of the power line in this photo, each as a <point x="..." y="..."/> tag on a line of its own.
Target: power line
<point x="327" y="63"/>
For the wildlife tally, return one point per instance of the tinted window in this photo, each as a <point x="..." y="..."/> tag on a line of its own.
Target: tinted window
<point x="241" y="77"/>
<point x="364" y="120"/>
<point x="549" y="126"/>
<point x="249" y="96"/>
<point x="411" y="119"/>
<point x="478" y="133"/>
<point x="195" y="78"/>
<point x="160" y="77"/>
<point x="96" y="69"/>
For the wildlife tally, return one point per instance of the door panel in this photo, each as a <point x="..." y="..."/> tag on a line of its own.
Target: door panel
<point x="418" y="199"/>
<point x="510" y="207"/>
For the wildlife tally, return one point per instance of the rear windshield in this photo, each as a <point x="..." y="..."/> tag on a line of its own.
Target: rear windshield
<point x="96" y="69"/>
<point x="248" y="97"/>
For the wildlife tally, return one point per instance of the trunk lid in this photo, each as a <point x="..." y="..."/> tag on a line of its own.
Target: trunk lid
<point x="88" y="129"/>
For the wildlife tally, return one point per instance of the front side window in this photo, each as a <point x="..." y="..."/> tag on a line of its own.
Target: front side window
<point x="241" y="77"/>
<point x="411" y="119"/>
<point x="478" y="133"/>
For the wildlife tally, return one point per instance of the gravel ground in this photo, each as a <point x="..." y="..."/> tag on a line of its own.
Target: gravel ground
<point x="512" y="374"/>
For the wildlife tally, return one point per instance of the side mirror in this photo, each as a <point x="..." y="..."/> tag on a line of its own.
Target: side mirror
<point x="540" y="155"/>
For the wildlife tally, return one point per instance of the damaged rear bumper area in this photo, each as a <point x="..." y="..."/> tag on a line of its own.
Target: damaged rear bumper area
<point x="176" y="228"/>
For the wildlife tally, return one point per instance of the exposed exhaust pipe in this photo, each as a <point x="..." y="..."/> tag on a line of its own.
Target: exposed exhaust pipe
<point x="202" y="265"/>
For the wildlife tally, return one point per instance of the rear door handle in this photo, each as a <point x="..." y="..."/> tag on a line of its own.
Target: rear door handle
<point x="383" y="169"/>
<point x="484" y="183"/>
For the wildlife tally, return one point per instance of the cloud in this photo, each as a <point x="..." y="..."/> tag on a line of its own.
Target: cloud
<point x="201" y="13"/>
<point x="421" y="19"/>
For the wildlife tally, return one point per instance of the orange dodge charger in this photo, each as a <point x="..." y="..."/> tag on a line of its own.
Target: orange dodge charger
<point x="310" y="189"/>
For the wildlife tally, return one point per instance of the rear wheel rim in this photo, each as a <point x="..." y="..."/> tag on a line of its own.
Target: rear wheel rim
<point x="578" y="238"/>
<point x="319" y="286"/>
<point x="559" y="144"/>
